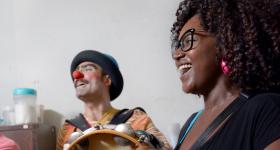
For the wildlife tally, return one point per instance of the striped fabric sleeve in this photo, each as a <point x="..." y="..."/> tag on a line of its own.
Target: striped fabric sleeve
<point x="63" y="135"/>
<point x="141" y="121"/>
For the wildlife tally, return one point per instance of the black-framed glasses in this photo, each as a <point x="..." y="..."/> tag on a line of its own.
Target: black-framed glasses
<point x="187" y="42"/>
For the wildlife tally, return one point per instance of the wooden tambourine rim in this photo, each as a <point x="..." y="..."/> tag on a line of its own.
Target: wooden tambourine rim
<point x="107" y="131"/>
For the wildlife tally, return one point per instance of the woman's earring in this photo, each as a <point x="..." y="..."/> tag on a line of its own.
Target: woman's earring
<point x="224" y="67"/>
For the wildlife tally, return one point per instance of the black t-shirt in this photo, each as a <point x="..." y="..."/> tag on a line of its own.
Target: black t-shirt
<point x="253" y="127"/>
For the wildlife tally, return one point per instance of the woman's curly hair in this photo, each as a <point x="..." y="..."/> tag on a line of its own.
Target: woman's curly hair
<point x="247" y="34"/>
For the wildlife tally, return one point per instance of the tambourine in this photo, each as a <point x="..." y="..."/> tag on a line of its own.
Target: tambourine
<point x="111" y="137"/>
<point x="119" y="137"/>
<point x="104" y="139"/>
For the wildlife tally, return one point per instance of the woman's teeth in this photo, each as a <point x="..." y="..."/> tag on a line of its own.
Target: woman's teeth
<point x="184" y="68"/>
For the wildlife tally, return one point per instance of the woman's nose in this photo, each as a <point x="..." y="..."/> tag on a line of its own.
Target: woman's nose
<point x="177" y="54"/>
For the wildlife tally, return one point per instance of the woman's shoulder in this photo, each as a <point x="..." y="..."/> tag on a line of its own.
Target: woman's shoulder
<point x="264" y="110"/>
<point x="266" y="95"/>
<point x="261" y="105"/>
<point x="265" y="100"/>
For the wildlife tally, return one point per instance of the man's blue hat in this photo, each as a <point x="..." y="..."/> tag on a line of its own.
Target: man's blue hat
<point x="108" y="64"/>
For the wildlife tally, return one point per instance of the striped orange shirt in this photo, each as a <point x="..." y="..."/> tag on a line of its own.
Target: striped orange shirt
<point x="139" y="121"/>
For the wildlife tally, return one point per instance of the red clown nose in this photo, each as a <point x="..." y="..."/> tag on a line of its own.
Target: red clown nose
<point x="77" y="74"/>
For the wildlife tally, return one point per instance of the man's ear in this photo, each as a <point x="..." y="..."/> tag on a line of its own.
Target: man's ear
<point x="107" y="80"/>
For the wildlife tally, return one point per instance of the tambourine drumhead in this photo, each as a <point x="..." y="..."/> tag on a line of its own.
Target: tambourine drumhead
<point x="103" y="140"/>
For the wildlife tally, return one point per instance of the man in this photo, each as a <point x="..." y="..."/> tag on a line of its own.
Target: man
<point x="97" y="81"/>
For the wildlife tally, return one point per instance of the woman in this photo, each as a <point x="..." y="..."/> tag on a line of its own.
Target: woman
<point x="228" y="52"/>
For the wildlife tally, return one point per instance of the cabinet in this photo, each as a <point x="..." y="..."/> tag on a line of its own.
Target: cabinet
<point x="31" y="136"/>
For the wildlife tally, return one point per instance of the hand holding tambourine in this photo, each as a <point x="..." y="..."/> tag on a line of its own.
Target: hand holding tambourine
<point x="111" y="137"/>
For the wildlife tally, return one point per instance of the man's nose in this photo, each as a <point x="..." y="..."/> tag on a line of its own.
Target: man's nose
<point x="77" y="74"/>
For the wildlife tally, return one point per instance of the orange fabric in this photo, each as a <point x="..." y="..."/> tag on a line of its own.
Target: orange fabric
<point x="64" y="135"/>
<point x="69" y="129"/>
<point x="139" y="121"/>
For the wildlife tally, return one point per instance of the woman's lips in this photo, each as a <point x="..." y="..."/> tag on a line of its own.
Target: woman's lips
<point x="184" y="68"/>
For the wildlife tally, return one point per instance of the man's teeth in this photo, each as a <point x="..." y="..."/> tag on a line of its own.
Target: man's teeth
<point x="185" y="66"/>
<point x="81" y="84"/>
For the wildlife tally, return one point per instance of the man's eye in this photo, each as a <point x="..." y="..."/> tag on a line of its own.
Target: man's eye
<point x="89" y="68"/>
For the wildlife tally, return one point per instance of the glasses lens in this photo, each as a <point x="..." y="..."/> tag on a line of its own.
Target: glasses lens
<point x="187" y="41"/>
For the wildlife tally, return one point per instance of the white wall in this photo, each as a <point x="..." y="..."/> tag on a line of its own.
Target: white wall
<point x="39" y="38"/>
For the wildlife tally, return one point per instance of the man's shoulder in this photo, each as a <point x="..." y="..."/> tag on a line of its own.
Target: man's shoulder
<point x="134" y="112"/>
<point x="138" y="110"/>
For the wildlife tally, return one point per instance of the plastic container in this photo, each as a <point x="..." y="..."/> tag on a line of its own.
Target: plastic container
<point x="8" y="117"/>
<point x="25" y="105"/>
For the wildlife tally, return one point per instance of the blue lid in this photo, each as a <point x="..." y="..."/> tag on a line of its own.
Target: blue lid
<point x="24" y="91"/>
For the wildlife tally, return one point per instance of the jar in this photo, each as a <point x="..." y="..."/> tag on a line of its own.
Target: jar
<point x="8" y="117"/>
<point x="25" y="105"/>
